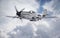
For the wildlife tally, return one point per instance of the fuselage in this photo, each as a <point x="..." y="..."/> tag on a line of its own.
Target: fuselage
<point x="30" y="15"/>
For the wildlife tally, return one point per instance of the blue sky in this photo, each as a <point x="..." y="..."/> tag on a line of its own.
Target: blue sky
<point x="41" y="3"/>
<point x="14" y="28"/>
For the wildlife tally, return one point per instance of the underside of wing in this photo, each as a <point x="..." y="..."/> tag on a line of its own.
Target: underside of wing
<point x="51" y="17"/>
<point x="12" y="16"/>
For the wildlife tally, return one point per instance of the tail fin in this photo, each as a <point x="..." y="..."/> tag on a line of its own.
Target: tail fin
<point x="45" y="12"/>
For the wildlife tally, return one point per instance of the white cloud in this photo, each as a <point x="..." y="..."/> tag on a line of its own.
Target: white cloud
<point x="27" y="29"/>
<point x="7" y="9"/>
<point x="3" y="34"/>
<point x="54" y="7"/>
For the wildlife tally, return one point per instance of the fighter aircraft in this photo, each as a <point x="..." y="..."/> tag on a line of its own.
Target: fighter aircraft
<point x="30" y="15"/>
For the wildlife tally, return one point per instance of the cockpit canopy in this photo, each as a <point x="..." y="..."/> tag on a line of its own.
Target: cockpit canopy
<point x="31" y="11"/>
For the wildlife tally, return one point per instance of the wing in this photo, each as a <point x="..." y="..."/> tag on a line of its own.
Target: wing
<point x="51" y="17"/>
<point x="12" y="16"/>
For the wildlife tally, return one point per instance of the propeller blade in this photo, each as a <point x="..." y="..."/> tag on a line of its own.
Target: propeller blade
<point x="21" y="19"/>
<point x="22" y="9"/>
<point x="16" y="9"/>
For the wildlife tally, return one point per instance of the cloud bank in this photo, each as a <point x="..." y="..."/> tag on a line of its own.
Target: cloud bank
<point x="15" y="28"/>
